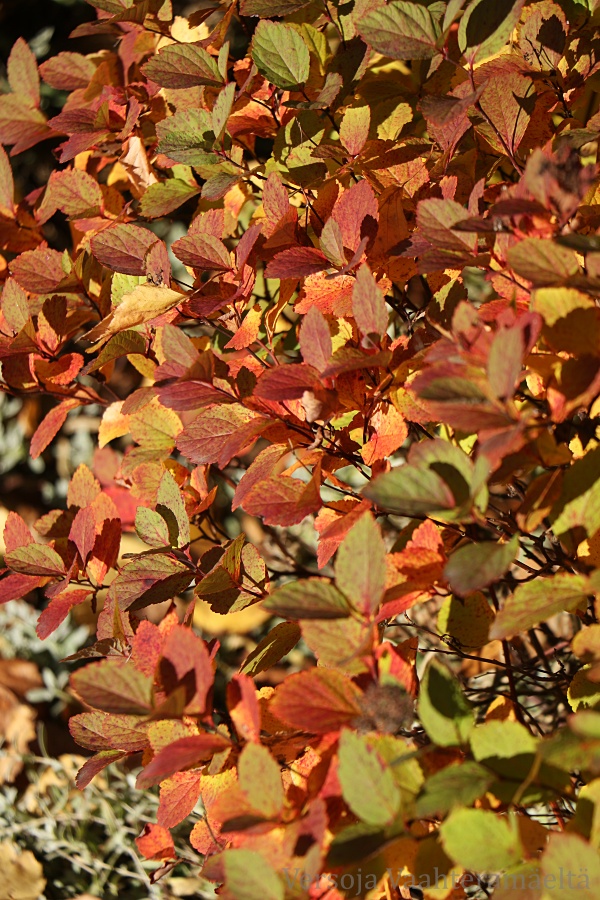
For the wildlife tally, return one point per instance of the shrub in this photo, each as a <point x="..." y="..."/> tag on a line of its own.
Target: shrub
<point x="336" y="267"/>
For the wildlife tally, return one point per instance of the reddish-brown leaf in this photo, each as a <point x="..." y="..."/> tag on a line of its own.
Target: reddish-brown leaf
<point x="334" y="700"/>
<point x="286" y="382"/>
<point x="283" y="501"/>
<point x="39" y="271"/>
<point x="368" y="305"/>
<point x="123" y="248"/>
<point x="97" y="764"/>
<point x="13" y="586"/>
<point x="297" y="262"/>
<point x="203" y="251"/>
<point x="67" y="71"/>
<point x="219" y="434"/>
<point x="315" y="339"/>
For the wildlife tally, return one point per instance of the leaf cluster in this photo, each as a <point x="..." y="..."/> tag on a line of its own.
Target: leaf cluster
<point x="367" y="405"/>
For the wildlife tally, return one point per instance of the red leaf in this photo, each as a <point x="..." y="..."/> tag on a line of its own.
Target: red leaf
<point x="51" y="425"/>
<point x="297" y="262"/>
<point x="333" y="700"/>
<point x="14" y="586"/>
<point x="188" y="653"/>
<point x="243" y="707"/>
<point x="283" y="501"/>
<point x="332" y="528"/>
<point x="83" y="532"/>
<point x="97" y="764"/>
<point x="219" y="434"/>
<point x="178" y="797"/>
<point x="260" y="469"/>
<point x="123" y="248"/>
<point x="156" y="842"/>
<point x="183" y="754"/>
<point x="368" y="305"/>
<point x="275" y="201"/>
<point x="357" y="214"/>
<point x="147" y="647"/>
<point x="16" y="533"/>
<point x="315" y="339"/>
<point x="286" y="382"/>
<point x="20" y="123"/>
<point x="58" y="609"/>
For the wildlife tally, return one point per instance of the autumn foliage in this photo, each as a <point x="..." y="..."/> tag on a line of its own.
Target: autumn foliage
<point x="368" y="392"/>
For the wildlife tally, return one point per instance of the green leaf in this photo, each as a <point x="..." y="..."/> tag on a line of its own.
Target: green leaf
<point x="444" y="711"/>
<point x="237" y="579"/>
<point x="438" y="480"/>
<point x="101" y="731"/>
<point x="170" y="505"/>
<point x="260" y="780"/>
<point x="119" y="345"/>
<point x="246" y="875"/>
<point x="114" y="686"/>
<point x="572" y="864"/>
<point x="35" y="559"/>
<point x="501" y="740"/>
<point x="456" y="785"/>
<point x="280" y="54"/>
<point x="578" y="506"/>
<point x="165" y="196"/>
<point x="149" y="579"/>
<point x="187" y="137"/>
<point x="272" y="648"/>
<point x="151" y="528"/>
<point x="410" y="491"/>
<point x="312" y="598"/>
<point x="475" y="566"/>
<point x="467" y="621"/>
<point x="400" y="30"/>
<point x="368" y="785"/>
<point x="485" y="29"/>
<point x="360" y="568"/>
<point x="481" y="840"/>
<point x="539" y="600"/>
<point x="222" y="109"/>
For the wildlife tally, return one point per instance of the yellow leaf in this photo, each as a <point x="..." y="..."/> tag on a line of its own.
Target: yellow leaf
<point x="144" y="303"/>
<point x="22" y="877"/>
<point x="113" y="425"/>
